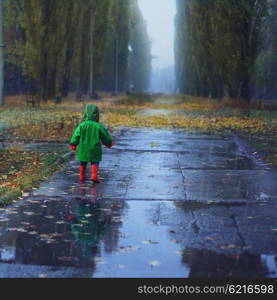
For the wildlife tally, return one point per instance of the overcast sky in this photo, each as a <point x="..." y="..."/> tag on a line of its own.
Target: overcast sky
<point x="159" y="16"/>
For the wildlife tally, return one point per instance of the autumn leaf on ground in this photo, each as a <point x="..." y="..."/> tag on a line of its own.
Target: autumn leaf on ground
<point x="210" y="238"/>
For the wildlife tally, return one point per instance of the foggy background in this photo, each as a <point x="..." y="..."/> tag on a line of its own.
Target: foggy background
<point x="160" y="18"/>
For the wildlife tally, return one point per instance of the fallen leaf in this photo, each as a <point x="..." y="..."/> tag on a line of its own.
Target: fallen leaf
<point x="150" y="242"/>
<point x="29" y="213"/>
<point x="210" y="238"/>
<point x="99" y="260"/>
<point x="126" y="249"/>
<point x="61" y="222"/>
<point x="33" y="233"/>
<point x="154" y="263"/>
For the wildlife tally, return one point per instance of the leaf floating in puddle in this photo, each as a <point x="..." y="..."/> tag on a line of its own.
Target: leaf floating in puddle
<point x="33" y="233"/>
<point x="56" y="235"/>
<point x="26" y="223"/>
<point x="99" y="260"/>
<point x="211" y="202"/>
<point x="154" y="263"/>
<point x="127" y="249"/>
<point x="17" y="229"/>
<point x="61" y="222"/>
<point x="150" y="242"/>
<point x="29" y="213"/>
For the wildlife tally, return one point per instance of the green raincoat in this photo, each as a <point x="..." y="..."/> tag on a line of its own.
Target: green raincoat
<point x="89" y="135"/>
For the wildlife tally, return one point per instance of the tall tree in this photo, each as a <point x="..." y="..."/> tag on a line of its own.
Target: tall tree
<point x="266" y="65"/>
<point x="54" y="47"/>
<point x="217" y="43"/>
<point x="140" y="54"/>
<point x="1" y="55"/>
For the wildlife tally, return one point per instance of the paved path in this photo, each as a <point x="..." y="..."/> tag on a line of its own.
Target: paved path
<point x="171" y="204"/>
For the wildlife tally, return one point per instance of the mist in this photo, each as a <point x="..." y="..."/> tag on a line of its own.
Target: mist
<point x="160" y="19"/>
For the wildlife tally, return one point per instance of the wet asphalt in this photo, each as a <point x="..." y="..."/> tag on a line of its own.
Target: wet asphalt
<point x="170" y="204"/>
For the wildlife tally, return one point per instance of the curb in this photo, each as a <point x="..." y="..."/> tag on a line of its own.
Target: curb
<point x="250" y="152"/>
<point x="65" y="157"/>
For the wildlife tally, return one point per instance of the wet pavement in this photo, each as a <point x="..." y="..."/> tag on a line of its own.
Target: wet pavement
<point x="170" y="204"/>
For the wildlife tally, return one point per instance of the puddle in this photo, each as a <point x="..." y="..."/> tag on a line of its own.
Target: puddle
<point x="131" y="225"/>
<point x="96" y="238"/>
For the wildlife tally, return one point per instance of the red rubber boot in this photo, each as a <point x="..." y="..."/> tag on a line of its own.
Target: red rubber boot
<point x="94" y="173"/>
<point x="82" y="173"/>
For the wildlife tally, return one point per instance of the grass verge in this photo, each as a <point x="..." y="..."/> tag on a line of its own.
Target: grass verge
<point x="22" y="171"/>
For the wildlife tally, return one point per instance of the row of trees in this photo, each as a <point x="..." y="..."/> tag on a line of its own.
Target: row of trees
<point x="56" y="46"/>
<point x="225" y="47"/>
<point x="266" y="64"/>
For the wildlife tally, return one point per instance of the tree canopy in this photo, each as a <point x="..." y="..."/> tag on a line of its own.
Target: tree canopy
<point x="57" y="46"/>
<point x="217" y="45"/>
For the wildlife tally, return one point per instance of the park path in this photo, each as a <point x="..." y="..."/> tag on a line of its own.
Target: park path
<point x="170" y="204"/>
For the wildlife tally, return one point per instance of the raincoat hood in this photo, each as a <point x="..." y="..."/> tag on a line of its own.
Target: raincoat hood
<point x="91" y="113"/>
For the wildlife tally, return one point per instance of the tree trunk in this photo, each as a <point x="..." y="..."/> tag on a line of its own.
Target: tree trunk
<point x="1" y="56"/>
<point x="91" y="71"/>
